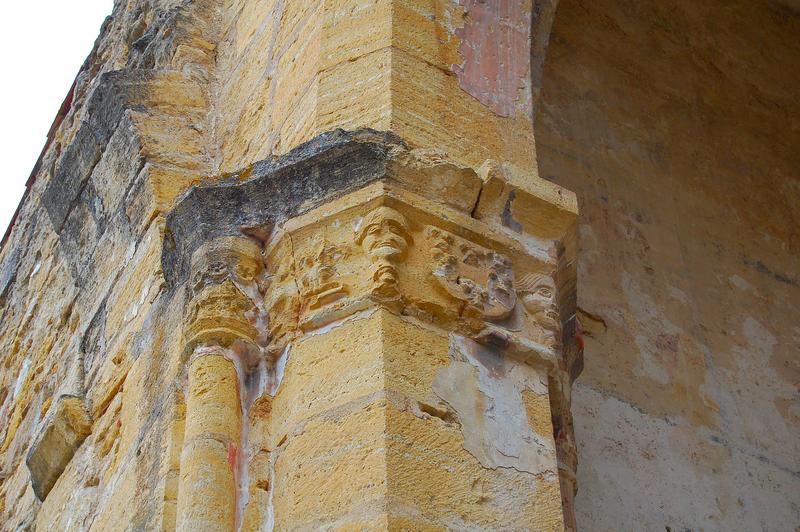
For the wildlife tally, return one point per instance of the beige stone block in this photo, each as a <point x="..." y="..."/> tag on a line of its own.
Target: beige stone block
<point x="105" y="433"/>
<point x="257" y="511"/>
<point x="327" y="371"/>
<point x="248" y="124"/>
<point x="433" y="479"/>
<point x="291" y="125"/>
<point x="356" y="94"/>
<point x="354" y="29"/>
<point x="297" y="51"/>
<point x="175" y="92"/>
<point x="168" y="183"/>
<point x="429" y="173"/>
<point x="430" y="110"/>
<point x="543" y="210"/>
<point x="134" y="293"/>
<point x="63" y="432"/>
<point x="172" y="140"/>
<point x="334" y="468"/>
<point x="117" y="507"/>
<point x="131" y="417"/>
<point x="408" y="523"/>
<point x="426" y="29"/>
<point x="256" y="18"/>
<point x="412" y="356"/>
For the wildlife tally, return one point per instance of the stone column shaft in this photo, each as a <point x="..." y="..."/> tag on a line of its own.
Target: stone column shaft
<point x="207" y="498"/>
<point x="221" y="342"/>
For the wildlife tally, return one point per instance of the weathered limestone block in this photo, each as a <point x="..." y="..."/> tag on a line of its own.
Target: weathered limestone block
<point x="63" y="432"/>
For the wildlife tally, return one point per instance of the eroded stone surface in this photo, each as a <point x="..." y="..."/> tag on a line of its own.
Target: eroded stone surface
<point x="689" y="257"/>
<point x="64" y="430"/>
<point x="249" y="219"/>
<point x="488" y="393"/>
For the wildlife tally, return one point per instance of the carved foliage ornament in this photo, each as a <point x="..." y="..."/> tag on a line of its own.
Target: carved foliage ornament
<point x="478" y="276"/>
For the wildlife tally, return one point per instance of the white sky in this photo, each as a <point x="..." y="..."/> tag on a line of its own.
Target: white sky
<point x="42" y="46"/>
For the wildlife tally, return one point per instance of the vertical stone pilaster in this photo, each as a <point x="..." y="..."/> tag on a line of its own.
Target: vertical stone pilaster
<point x="402" y="358"/>
<point x="221" y="341"/>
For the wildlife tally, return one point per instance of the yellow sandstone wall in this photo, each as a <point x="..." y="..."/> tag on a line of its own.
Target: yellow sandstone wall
<point x="225" y="304"/>
<point x="294" y="70"/>
<point x="289" y="265"/>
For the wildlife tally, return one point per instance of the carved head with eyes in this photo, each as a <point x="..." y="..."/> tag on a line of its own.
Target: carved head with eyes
<point x="384" y="234"/>
<point x="538" y="293"/>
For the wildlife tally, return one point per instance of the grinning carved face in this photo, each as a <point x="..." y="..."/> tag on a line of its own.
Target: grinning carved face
<point x="384" y="234"/>
<point x="539" y="298"/>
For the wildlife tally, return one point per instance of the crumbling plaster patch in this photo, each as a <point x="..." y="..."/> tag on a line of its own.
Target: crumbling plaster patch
<point x="486" y="391"/>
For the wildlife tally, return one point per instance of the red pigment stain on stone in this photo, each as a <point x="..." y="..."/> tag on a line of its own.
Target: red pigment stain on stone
<point x="495" y="46"/>
<point x="233" y="456"/>
<point x="668" y="342"/>
<point x="579" y="342"/>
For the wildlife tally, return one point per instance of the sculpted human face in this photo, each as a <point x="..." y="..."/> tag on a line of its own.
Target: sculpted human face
<point x="384" y="234"/>
<point x="383" y="239"/>
<point x="539" y="301"/>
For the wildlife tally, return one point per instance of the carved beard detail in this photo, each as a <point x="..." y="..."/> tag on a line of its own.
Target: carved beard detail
<point x="385" y="239"/>
<point x="541" y="309"/>
<point x="384" y="280"/>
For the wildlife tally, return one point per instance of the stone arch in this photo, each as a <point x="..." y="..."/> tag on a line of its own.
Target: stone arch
<point x="672" y="123"/>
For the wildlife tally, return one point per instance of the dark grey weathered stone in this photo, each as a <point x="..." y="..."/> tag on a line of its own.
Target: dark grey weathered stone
<point x="115" y="93"/>
<point x="82" y="230"/>
<point x="72" y="172"/>
<point x="328" y="166"/>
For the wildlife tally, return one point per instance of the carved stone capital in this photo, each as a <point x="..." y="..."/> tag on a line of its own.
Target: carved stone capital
<point x="282" y="260"/>
<point x="384" y="246"/>
<point x="468" y="252"/>
<point x="225" y="289"/>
